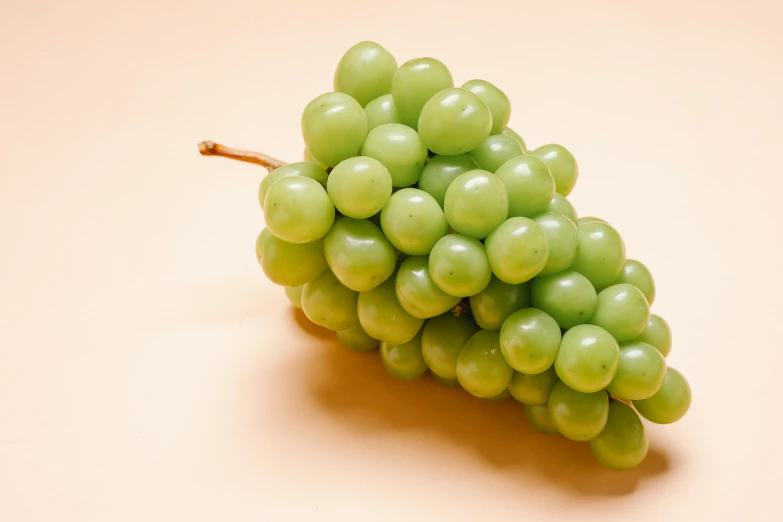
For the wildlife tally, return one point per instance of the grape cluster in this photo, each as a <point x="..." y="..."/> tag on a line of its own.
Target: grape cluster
<point x="422" y="225"/>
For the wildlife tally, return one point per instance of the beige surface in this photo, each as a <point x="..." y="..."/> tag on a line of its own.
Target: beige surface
<point x="148" y="371"/>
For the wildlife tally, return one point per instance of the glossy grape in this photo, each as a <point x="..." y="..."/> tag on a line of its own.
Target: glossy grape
<point x="301" y="168"/>
<point x="508" y="131"/>
<point x="309" y="157"/>
<point x="414" y="83"/>
<point x="328" y="303"/>
<point x="567" y="296"/>
<point x="588" y="358"/>
<point x="334" y="127"/>
<point x="533" y="389"/>
<point x="289" y="264"/>
<point x="622" y="444"/>
<point x="590" y="219"/>
<point x="442" y="341"/>
<point x="494" y="151"/>
<point x="383" y="317"/>
<point x="578" y="416"/>
<point x="530" y="340"/>
<point x="637" y="274"/>
<point x="562" y="166"/>
<point x="400" y="149"/>
<point x="481" y="368"/>
<point x="413" y="221"/>
<point x="496" y="100"/>
<point x="381" y="111"/>
<point x="440" y="171"/>
<point x="476" y="203"/>
<point x="359" y="187"/>
<point x="560" y="235"/>
<point x="622" y="310"/>
<point x="640" y="372"/>
<point x="359" y="254"/>
<point x="600" y="254"/>
<point x="298" y="210"/>
<point x="454" y="121"/>
<point x="365" y="72"/>
<point x="670" y="403"/>
<point x="530" y="185"/>
<point x="417" y="292"/>
<point x="560" y="205"/>
<point x="657" y="334"/>
<point x="404" y="360"/>
<point x="294" y="295"/>
<point x="459" y="266"/>
<point x="355" y="338"/>
<point x="538" y="417"/>
<point x="493" y="305"/>
<point x="517" y="250"/>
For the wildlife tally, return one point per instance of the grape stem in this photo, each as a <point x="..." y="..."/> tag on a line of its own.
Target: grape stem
<point x="210" y="148"/>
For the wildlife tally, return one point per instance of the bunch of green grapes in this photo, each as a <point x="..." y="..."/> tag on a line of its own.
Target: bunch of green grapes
<point x="422" y="225"/>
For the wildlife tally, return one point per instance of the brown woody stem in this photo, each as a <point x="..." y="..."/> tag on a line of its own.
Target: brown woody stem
<point x="210" y="148"/>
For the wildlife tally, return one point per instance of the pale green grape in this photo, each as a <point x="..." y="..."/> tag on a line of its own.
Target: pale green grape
<point x="454" y="121"/>
<point x="640" y="372"/>
<point x="355" y="338"/>
<point x="539" y="419"/>
<point x="567" y="296"/>
<point x="502" y="396"/>
<point x="459" y="266"/>
<point x="413" y="221"/>
<point x="449" y="383"/>
<point x="600" y="253"/>
<point x="400" y="149"/>
<point x="508" y="131"/>
<point x="588" y="358"/>
<point x="301" y="168"/>
<point x="381" y="111"/>
<point x="530" y="340"/>
<point x="561" y="237"/>
<point x="443" y="339"/>
<point x="561" y="205"/>
<point x="476" y="203"/>
<point x="532" y="389"/>
<point x="578" y="416"/>
<point x="657" y="334"/>
<point x="562" y="166"/>
<point x="294" y="295"/>
<point x="494" y="151"/>
<point x="530" y="185"/>
<point x="404" y="360"/>
<point x="517" y="250"/>
<point x="414" y="83"/>
<point x="328" y="303"/>
<point x="382" y="316"/>
<point x="440" y="171"/>
<point x="622" y="444"/>
<point x="636" y="274"/>
<point x="622" y="310"/>
<point x="334" y="127"/>
<point x="359" y="187"/>
<point x="417" y="292"/>
<point x="670" y="403"/>
<point x="289" y="264"/>
<point x="298" y="210"/>
<point x="310" y="158"/>
<point x="365" y="72"/>
<point x="481" y="368"/>
<point x="359" y="254"/>
<point x="496" y="100"/>
<point x="590" y="219"/>
<point x="493" y="305"/>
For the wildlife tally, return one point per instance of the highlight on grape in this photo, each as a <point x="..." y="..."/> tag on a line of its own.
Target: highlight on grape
<point x="421" y="225"/>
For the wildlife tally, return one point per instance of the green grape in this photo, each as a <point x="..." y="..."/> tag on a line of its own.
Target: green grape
<point x="449" y="383"/>
<point x="622" y="310"/>
<point x="400" y="149"/>
<point x="496" y="100"/>
<point x="640" y="372"/>
<point x="476" y="203"/>
<point x="355" y="338"/>
<point x="365" y="72"/>
<point x="502" y="396"/>
<point x="404" y="360"/>
<point x="359" y="254"/>
<point x="493" y="305"/>
<point x="567" y="296"/>
<point x="298" y="210"/>
<point x="560" y="235"/>
<point x="413" y="221"/>
<point x="539" y="419"/>
<point x="459" y="266"/>
<point x="517" y="250"/>
<point x="417" y="292"/>
<point x="562" y="166"/>
<point x="530" y="185"/>
<point x="561" y="205"/>
<point x="381" y="111"/>
<point x="495" y="151"/>
<point x="454" y="121"/>
<point x="302" y="168"/>
<point x="443" y="339"/>
<point x="328" y="303"/>
<point x="636" y="274"/>
<point x="657" y="334"/>
<point x="670" y="403"/>
<point x="590" y="219"/>
<point x="359" y="187"/>
<point x="383" y="317"/>
<point x="622" y="444"/>
<point x="508" y="131"/>
<point x="532" y="389"/>
<point x="414" y="83"/>
<point x="440" y="171"/>
<point x="334" y="127"/>
<point x="530" y="340"/>
<point x="578" y="416"/>
<point x="294" y="295"/>
<point x="308" y="156"/>
<point x="481" y="368"/>
<point x="588" y="358"/>
<point x="288" y="264"/>
<point x="600" y="253"/>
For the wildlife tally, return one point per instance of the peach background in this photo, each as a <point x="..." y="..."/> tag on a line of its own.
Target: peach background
<point x="148" y="371"/>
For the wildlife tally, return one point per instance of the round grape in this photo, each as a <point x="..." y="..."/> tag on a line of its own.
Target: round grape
<point x="496" y="100"/>
<point x="495" y="151"/>
<point x="414" y="83"/>
<point x="622" y="444"/>
<point x="417" y="292"/>
<point x="588" y="358"/>
<point x="454" y="121"/>
<point x="560" y="235"/>
<point x="443" y="339"/>
<point x="670" y="403"/>
<point x="508" y="131"/>
<point x="481" y="368"/>
<point x="459" y="266"/>
<point x="334" y="127"/>
<point x="561" y="205"/>
<point x="533" y="389"/>
<point x="359" y="254"/>
<point x="298" y="210"/>
<point x="657" y="334"/>
<point x="590" y="219"/>
<point x="355" y="338"/>
<point x="578" y="416"/>
<point x="289" y="264"/>
<point x="567" y="296"/>
<point x="517" y="250"/>
<point x="640" y="372"/>
<point x="440" y="171"/>
<point x="381" y="111"/>
<point x="493" y="305"/>
<point x="622" y="310"/>
<point x="365" y="72"/>
<point x="359" y="187"/>
<point x="382" y="316"/>
<point x="562" y="166"/>
<point x="294" y="295"/>
<point x="530" y="340"/>
<point x="400" y="149"/>
<point x="600" y="253"/>
<point x="539" y="419"/>
<point x="310" y="158"/>
<point x="302" y="168"/>
<point x="404" y="360"/>
<point x="636" y="274"/>
<point x="530" y="185"/>
<point x="328" y="303"/>
<point x="413" y="221"/>
<point x="476" y="203"/>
